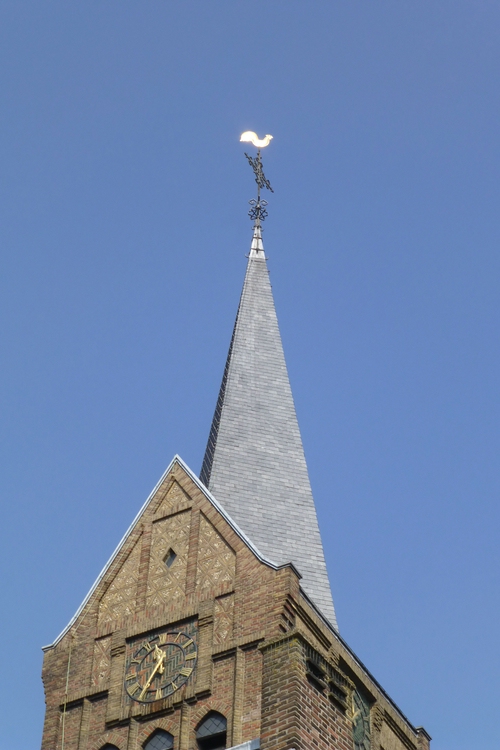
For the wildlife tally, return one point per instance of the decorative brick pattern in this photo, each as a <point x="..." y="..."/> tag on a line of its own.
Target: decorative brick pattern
<point x="175" y="496"/>
<point x="265" y="660"/>
<point x="166" y="585"/>
<point x="216" y="559"/>
<point x="102" y="661"/>
<point x="223" y="618"/>
<point x="119" y="599"/>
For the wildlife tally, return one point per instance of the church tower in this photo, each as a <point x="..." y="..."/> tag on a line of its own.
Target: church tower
<point x="212" y="625"/>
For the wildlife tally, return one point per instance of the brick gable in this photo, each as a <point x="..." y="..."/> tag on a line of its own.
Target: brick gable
<point x="265" y="657"/>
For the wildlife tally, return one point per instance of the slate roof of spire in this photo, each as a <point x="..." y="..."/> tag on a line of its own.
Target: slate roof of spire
<point x="254" y="463"/>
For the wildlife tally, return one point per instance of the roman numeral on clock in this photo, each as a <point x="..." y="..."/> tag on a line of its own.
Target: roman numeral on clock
<point x="186" y="671"/>
<point x="191" y="656"/>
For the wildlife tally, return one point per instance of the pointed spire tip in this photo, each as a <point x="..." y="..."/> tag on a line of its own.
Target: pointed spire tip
<point x="257" y="246"/>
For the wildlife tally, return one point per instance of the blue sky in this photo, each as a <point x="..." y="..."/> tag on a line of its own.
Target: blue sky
<point x="123" y="228"/>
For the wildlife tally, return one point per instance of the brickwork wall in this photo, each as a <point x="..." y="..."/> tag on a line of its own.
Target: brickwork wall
<point x="224" y="680"/>
<point x="223" y="618"/>
<point x="252" y="698"/>
<point x="120" y="597"/>
<point x="294" y="712"/>
<point x="167" y="585"/>
<point x="216" y="560"/>
<point x="391" y="738"/>
<point x="253" y="629"/>
<point x="72" y="721"/>
<point x="98" y="733"/>
<point x="171" y="724"/>
<point x="101" y="663"/>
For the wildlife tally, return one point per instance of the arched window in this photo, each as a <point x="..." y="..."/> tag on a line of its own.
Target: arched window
<point x="109" y="746"/>
<point x="211" y="732"/>
<point x="159" y="740"/>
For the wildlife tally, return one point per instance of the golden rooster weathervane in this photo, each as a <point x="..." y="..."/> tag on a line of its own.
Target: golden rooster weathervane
<point x="258" y="211"/>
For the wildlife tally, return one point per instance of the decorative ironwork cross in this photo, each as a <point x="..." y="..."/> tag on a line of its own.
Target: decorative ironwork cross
<point x="260" y="178"/>
<point x="258" y="211"/>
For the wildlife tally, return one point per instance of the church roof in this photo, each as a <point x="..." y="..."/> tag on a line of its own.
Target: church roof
<point x="254" y="462"/>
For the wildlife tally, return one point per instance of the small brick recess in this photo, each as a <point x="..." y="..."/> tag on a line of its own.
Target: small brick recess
<point x="263" y="656"/>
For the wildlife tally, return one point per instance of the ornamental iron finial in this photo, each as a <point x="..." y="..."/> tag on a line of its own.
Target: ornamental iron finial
<point x="260" y="178"/>
<point x="257" y="211"/>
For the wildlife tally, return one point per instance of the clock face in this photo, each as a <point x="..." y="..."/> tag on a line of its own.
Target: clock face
<point x="160" y="665"/>
<point x="360" y="721"/>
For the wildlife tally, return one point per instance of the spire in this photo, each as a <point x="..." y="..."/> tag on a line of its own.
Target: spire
<point x="257" y="246"/>
<point x="254" y="462"/>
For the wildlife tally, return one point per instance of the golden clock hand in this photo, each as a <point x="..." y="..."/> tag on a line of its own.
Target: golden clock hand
<point x="160" y="657"/>
<point x="155" y="670"/>
<point x="159" y="654"/>
<point x="354" y="714"/>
